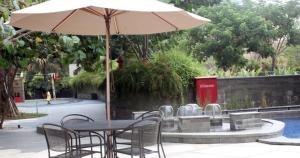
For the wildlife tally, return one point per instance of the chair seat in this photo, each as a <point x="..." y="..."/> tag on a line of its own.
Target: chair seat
<point x="135" y="151"/>
<point x="74" y="154"/>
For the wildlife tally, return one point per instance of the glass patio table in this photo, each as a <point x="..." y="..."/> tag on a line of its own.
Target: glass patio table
<point x="105" y="126"/>
<point x="97" y="126"/>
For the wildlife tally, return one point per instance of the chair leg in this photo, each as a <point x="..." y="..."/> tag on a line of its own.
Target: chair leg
<point x="91" y="142"/>
<point x="161" y="145"/>
<point x="100" y="141"/>
<point x="162" y="148"/>
<point x="158" y="150"/>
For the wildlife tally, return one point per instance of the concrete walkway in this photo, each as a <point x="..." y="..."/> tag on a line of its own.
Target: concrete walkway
<point x="26" y="143"/>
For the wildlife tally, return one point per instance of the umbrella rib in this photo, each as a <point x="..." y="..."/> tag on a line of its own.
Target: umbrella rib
<point x="176" y="28"/>
<point x="93" y="11"/>
<point x="64" y="20"/>
<point x="116" y="25"/>
<point x="119" y="13"/>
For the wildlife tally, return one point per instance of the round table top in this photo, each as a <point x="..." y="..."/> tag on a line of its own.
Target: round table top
<point x="104" y="125"/>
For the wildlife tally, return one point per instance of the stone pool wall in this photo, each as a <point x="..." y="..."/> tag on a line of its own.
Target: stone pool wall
<point x="251" y="92"/>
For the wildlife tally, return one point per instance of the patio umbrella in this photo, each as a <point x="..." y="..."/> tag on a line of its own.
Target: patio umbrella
<point x="105" y="17"/>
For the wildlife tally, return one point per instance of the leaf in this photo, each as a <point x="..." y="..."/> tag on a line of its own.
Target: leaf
<point x="4" y="63"/>
<point x="38" y="40"/>
<point x="81" y="54"/>
<point x="9" y="47"/>
<point x="75" y="40"/>
<point x="21" y="43"/>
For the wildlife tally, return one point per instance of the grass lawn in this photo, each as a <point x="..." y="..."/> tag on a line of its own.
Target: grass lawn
<point x="26" y="116"/>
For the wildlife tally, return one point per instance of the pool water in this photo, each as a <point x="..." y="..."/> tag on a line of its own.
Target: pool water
<point x="292" y="127"/>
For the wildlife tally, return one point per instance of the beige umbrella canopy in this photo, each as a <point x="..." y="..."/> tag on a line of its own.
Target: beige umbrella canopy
<point x="105" y="17"/>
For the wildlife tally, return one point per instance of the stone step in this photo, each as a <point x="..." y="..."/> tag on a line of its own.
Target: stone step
<point x="281" y="141"/>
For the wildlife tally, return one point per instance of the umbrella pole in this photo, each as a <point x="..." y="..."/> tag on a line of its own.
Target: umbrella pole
<point x="107" y="96"/>
<point x="107" y="68"/>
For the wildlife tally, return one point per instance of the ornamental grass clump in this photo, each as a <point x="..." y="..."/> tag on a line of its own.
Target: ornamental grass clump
<point x="148" y="78"/>
<point x="186" y="66"/>
<point x="87" y="81"/>
<point x="165" y="75"/>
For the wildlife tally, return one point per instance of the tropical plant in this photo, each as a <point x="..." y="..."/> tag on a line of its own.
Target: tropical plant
<point x="167" y="75"/>
<point x="186" y="66"/>
<point x="85" y="51"/>
<point x="39" y="84"/>
<point x="47" y="57"/>
<point x="153" y="79"/>
<point x="87" y="81"/>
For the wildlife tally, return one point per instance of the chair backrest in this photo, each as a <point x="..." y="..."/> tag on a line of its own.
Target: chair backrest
<point x="58" y="138"/>
<point x="148" y="114"/>
<point x="75" y="118"/>
<point x="147" y="134"/>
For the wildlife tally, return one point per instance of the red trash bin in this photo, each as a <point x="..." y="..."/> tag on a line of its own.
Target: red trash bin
<point x="18" y="99"/>
<point x="206" y="90"/>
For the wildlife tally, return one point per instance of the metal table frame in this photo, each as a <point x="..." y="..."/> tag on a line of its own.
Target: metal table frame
<point x="104" y="126"/>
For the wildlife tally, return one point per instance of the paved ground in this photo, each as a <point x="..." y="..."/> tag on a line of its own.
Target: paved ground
<point x="26" y="143"/>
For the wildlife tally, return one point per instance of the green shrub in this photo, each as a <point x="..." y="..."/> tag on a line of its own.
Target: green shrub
<point x="187" y="67"/>
<point x="87" y="80"/>
<point x="38" y="83"/>
<point x="63" y="83"/>
<point x="165" y="75"/>
<point x="155" y="79"/>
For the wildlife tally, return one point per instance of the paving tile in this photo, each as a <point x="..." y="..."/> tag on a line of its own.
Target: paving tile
<point x="25" y="143"/>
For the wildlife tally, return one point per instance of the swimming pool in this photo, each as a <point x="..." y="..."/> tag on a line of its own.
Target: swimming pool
<point x="292" y="127"/>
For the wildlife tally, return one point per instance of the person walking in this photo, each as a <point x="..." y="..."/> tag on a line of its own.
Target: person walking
<point x="48" y="97"/>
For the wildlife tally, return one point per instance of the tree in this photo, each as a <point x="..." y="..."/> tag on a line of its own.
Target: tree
<point x="10" y="55"/>
<point x="47" y="57"/>
<point x="194" y="4"/>
<point x="232" y="32"/>
<point x="143" y="46"/>
<point x="85" y="51"/>
<point x="14" y="55"/>
<point x="20" y="48"/>
<point x="283" y="17"/>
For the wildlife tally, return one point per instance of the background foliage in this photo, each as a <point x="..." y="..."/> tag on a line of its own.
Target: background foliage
<point x="232" y="32"/>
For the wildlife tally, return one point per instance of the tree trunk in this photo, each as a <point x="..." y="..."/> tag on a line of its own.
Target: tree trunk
<point x="11" y="93"/>
<point x="2" y="98"/>
<point x="2" y="115"/>
<point x="273" y="62"/>
<point x="2" y="110"/>
<point x="7" y="103"/>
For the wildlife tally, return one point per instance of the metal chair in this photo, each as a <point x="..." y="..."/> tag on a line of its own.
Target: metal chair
<point x="78" y="118"/>
<point x="159" y="115"/>
<point x="147" y="114"/>
<point x="141" y="137"/>
<point x="59" y="140"/>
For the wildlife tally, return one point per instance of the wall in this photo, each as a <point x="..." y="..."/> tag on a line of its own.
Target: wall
<point x="252" y="92"/>
<point x="19" y="87"/>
